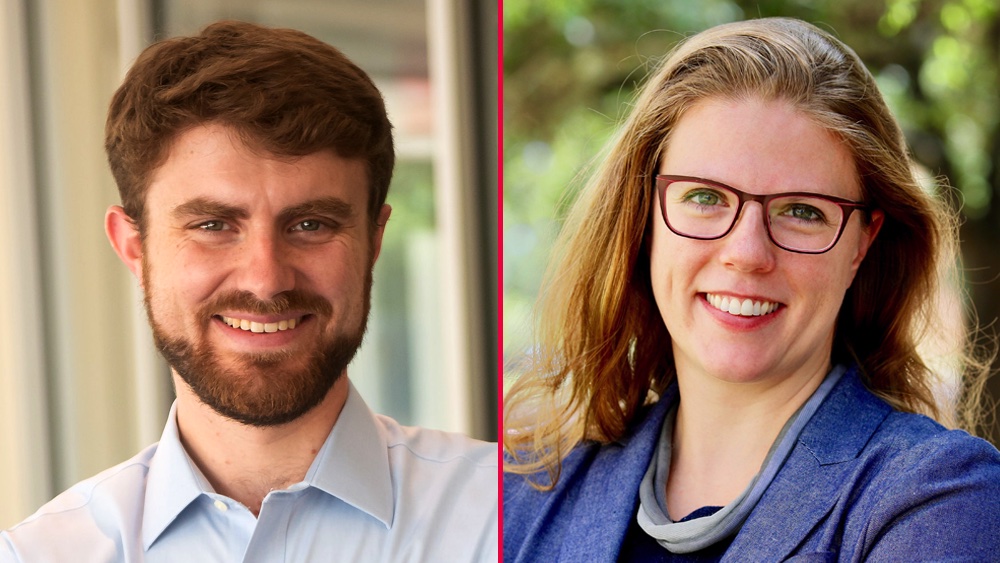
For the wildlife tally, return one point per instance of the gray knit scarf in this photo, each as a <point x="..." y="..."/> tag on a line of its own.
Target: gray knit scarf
<point x="699" y="533"/>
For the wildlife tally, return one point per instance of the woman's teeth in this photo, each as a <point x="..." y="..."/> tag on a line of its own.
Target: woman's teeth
<point x="252" y="326"/>
<point x="741" y="307"/>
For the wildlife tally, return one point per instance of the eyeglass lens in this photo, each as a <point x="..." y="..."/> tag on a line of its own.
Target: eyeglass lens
<point x="796" y="222"/>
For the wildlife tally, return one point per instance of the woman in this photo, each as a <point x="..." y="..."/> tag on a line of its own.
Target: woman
<point x="729" y="364"/>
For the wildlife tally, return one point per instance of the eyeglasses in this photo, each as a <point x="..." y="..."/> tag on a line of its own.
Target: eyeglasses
<point x="802" y="222"/>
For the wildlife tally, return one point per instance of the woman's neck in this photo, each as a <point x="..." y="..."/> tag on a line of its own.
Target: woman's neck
<point x="723" y="432"/>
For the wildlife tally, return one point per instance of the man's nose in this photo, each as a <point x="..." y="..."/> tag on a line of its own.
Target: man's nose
<point x="747" y="247"/>
<point x="266" y="268"/>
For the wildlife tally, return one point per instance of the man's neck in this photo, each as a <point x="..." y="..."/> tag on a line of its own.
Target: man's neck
<point x="245" y="462"/>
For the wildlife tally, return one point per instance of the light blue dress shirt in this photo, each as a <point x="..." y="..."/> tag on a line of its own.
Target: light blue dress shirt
<point x="377" y="491"/>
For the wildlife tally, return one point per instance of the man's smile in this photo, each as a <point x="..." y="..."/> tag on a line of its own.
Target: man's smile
<point x="254" y="326"/>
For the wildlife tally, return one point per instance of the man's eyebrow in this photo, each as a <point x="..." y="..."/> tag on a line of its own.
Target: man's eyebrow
<point x="333" y="207"/>
<point x="203" y="206"/>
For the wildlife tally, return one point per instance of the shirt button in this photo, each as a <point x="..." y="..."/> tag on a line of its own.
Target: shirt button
<point x="221" y="506"/>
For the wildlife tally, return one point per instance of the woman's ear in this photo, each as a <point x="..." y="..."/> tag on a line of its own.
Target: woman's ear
<point x="868" y="235"/>
<point x="124" y="236"/>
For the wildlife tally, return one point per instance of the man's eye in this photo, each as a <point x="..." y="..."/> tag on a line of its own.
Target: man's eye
<point x="308" y="225"/>
<point x="212" y="226"/>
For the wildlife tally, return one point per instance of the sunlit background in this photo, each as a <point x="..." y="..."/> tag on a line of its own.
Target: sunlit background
<point x="571" y="69"/>
<point x="81" y="387"/>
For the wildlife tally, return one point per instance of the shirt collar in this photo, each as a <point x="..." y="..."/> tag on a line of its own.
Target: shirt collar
<point x="174" y="482"/>
<point x="352" y="465"/>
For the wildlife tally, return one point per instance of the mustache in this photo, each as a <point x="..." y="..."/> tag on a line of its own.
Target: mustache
<point x="292" y="300"/>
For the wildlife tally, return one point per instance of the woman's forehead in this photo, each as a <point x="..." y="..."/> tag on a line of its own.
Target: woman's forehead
<point x="761" y="146"/>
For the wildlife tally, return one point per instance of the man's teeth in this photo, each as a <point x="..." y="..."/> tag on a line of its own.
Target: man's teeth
<point x="743" y="308"/>
<point x="252" y="326"/>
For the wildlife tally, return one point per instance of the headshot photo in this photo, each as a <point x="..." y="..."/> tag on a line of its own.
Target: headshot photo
<point x="748" y="296"/>
<point x="252" y="250"/>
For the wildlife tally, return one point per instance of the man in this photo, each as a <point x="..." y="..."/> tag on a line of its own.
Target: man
<point x="253" y="166"/>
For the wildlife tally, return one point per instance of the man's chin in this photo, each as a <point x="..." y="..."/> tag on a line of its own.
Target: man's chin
<point x="260" y="389"/>
<point x="265" y="414"/>
<point x="264" y="360"/>
<point x="263" y="396"/>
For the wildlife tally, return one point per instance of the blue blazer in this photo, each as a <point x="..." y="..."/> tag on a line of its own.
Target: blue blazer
<point x="864" y="482"/>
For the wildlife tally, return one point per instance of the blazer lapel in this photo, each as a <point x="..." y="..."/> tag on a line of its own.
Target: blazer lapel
<point x="809" y="485"/>
<point x="609" y="491"/>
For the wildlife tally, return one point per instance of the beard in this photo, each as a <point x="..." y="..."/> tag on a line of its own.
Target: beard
<point x="268" y="388"/>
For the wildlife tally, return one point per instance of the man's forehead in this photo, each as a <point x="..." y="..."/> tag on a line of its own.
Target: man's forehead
<point x="210" y="138"/>
<point x="211" y="161"/>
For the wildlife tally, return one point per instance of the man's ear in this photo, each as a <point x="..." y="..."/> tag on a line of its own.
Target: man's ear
<point x="383" y="218"/>
<point x="124" y="236"/>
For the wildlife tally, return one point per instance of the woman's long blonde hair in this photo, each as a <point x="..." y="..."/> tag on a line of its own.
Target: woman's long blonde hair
<point x="602" y="348"/>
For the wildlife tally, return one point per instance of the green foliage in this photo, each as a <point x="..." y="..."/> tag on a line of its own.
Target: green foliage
<point x="411" y="196"/>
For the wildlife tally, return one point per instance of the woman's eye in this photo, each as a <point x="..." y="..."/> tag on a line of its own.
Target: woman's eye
<point x="704" y="197"/>
<point x="805" y="213"/>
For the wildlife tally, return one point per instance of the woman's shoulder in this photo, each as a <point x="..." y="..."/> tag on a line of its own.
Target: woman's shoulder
<point x="910" y="446"/>
<point x="920" y="484"/>
<point x="593" y="497"/>
<point x="904" y="430"/>
<point x="909" y="476"/>
<point x="903" y="438"/>
<point x="873" y="483"/>
<point x="629" y="454"/>
<point x="855" y="423"/>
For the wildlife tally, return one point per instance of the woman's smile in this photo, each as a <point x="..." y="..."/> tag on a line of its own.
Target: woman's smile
<point x="747" y="307"/>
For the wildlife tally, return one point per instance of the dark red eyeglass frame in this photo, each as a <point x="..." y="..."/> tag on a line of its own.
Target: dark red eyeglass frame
<point x="846" y="208"/>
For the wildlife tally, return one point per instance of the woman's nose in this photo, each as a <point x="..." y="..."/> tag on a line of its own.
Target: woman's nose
<point x="748" y="246"/>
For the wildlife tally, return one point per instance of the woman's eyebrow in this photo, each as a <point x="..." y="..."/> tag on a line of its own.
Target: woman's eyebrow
<point x="204" y="206"/>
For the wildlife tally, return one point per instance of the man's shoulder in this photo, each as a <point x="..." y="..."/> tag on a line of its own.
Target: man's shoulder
<point x="446" y="481"/>
<point x="115" y="483"/>
<point x="84" y="515"/>
<point x="429" y="446"/>
<point x="435" y="467"/>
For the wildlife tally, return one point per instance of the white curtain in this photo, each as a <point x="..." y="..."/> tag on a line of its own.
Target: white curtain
<point x="79" y="381"/>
